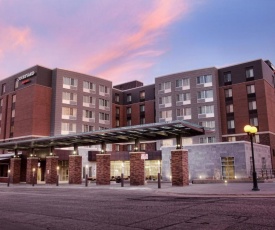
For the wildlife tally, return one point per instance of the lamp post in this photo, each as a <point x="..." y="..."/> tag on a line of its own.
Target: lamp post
<point x="9" y="171"/>
<point x="57" y="175"/>
<point x="86" y="176"/>
<point x="33" y="176"/>
<point x="251" y="130"/>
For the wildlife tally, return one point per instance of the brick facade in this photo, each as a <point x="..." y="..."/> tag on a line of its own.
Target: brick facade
<point x="15" y="168"/>
<point x="179" y="167"/>
<point x="51" y="169"/>
<point x="103" y="166"/>
<point x="32" y="163"/>
<point x="137" y="169"/>
<point x="75" y="165"/>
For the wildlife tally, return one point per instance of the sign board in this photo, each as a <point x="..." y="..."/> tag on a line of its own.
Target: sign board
<point x="144" y="156"/>
<point x="32" y="73"/>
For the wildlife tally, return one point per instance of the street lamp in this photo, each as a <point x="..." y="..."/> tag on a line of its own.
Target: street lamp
<point x="57" y="175"/>
<point x="251" y="130"/>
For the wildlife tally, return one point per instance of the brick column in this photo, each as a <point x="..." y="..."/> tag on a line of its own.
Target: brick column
<point x="75" y="165"/>
<point x="179" y="167"/>
<point x="51" y="169"/>
<point x="15" y="169"/>
<point x="32" y="162"/>
<point x="103" y="167"/>
<point x="137" y="172"/>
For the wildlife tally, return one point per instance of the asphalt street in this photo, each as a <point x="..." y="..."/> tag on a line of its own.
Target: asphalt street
<point x="143" y="207"/>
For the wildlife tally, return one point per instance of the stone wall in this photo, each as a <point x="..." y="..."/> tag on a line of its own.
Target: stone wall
<point x="103" y="169"/>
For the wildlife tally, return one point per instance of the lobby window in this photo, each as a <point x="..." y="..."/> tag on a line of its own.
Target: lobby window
<point x="142" y="120"/>
<point x="142" y="95"/>
<point x="231" y="139"/>
<point x="227" y="77"/>
<point x="253" y="121"/>
<point x="249" y="72"/>
<point x="116" y="97"/>
<point x="129" y="97"/>
<point x="205" y="94"/>
<point x="228" y="93"/>
<point x="250" y="89"/>
<point x="231" y="124"/>
<point x="89" y="86"/>
<point x="204" y="79"/>
<point x="206" y="109"/>
<point x="3" y="88"/>
<point x="13" y="98"/>
<point x="228" y="168"/>
<point x="165" y="86"/>
<point x="229" y="108"/>
<point x="207" y="124"/>
<point x="87" y="128"/>
<point x="252" y="105"/>
<point x="67" y="81"/>
<point x="104" y="89"/>
<point x="128" y="110"/>
<point x="142" y="108"/>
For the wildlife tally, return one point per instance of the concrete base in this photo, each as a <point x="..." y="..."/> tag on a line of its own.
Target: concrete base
<point x="137" y="169"/>
<point x="15" y="169"/>
<point x="31" y="176"/>
<point x="179" y="167"/>
<point x="75" y="166"/>
<point x="51" y="169"/>
<point x="103" y="166"/>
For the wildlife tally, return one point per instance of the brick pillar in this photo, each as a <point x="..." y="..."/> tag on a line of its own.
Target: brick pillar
<point x="179" y="167"/>
<point x="137" y="172"/>
<point x="15" y="169"/>
<point x="103" y="167"/>
<point x="32" y="163"/>
<point x="75" y="165"/>
<point x="51" y="169"/>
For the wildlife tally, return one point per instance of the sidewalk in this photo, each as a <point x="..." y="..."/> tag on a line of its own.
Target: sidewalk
<point x="267" y="189"/>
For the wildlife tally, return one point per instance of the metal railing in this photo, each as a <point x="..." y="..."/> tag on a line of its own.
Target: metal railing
<point x="267" y="173"/>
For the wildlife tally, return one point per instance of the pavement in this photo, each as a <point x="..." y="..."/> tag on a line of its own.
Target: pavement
<point x="266" y="189"/>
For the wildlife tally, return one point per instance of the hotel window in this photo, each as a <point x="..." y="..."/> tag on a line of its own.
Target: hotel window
<point x="142" y="146"/>
<point x="206" y="109"/>
<point x="117" y="111"/>
<point x="142" y="120"/>
<point x="88" y="114"/>
<point x="257" y="138"/>
<point x="249" y="72"/>
<point x="128" y="110"/>
<point x="204" y="79"/>
<point x="231" y="124"/>
<point x="117" y="122"/>
<point x="1" y="102"/>
<point x="13" y="113"/>
<point x="252" y="105"/>
<point x="103" y="89"/>
<point x="207" y="139"/>
<point x="87" y="128"/>
<point x="227" y="77"/>
<point x="228" y="93"/>
<point x="183" y="97"/>
<point x="16" y="84"/>
<point x="165" y="85"/>
<point x="89" y="86"/>
<point x="205" y="94"/>
<point x="207" y="124"/>
<point x="129" y="97"/>
<point x="88" y="100"/>
<point x="142" y="95"/>
<point x="186" y="111"/>
<point x="129" y="122"/>
<point x="231" y="139"/>
<point x="165" y="100"/>
<point x="229" y="108"/>
<point x="3" y="88"/>
<point x="253" y="121"/>
<point x="69" y="97"/>
<point x="250" y="89"/>
<point x="116" y="97"/>
<point x="142" y="108"/>
<point x="183" y="82"/>
<point x="68" y="127"/>
<point x="104" y="116"/>
<point x="179" y="112"/>
<point x="165" y="114"/>
<point x="69" y="81"/>
<point x="104" y="103"/>
<point x="13" y="98"/>
<point x="68" y="113"/>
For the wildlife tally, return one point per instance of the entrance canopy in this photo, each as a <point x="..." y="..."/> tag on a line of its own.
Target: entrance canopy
<point x="146" y="132"/>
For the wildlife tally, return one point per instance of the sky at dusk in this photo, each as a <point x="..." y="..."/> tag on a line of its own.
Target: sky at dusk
<point x="124" y="40"/>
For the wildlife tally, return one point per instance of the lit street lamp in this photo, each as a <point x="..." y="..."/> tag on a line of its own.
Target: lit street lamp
<point x="251" y="130"/>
